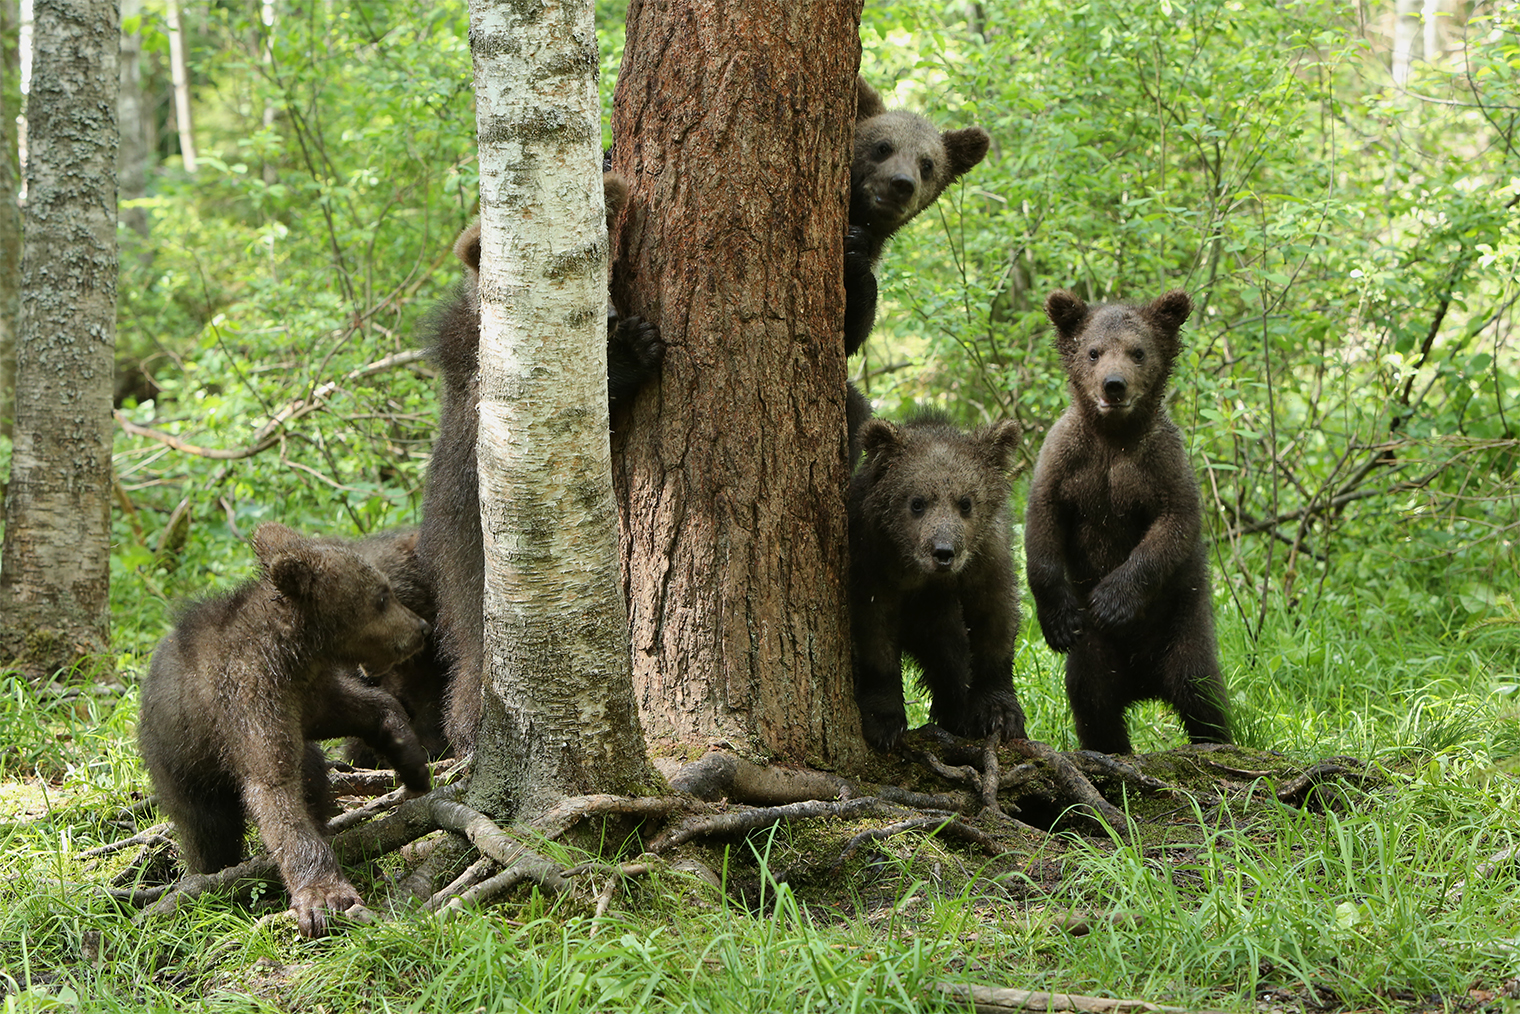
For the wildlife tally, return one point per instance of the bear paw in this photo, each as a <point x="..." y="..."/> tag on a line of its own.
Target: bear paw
<point x="994" y="711"/>
<point x="312" y="903"/>
<point x="635" y="351"/>
<point x="1112" y="606"/>
<point x="883" y="726"/>
<point x="857" y="246"/>
<point x="1063" y="627"/>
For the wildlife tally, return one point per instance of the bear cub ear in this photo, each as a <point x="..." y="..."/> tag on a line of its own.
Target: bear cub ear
<point x="878" y="437"/>
<point x="467" y="248"/>
<point x="1000" y="441"/>
<point x="287" y="558"/>
<point x="964" y="148"/>
<point x="1169" y="311"/>
<point x="867" y="102"/>
<point x="1066" y="311"/>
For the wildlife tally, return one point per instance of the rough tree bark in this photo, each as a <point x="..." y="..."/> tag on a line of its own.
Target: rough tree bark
<point x="734" y="122"/>
<point x="10" y="212"/>
<point x="559" y="717"/>
<point x="55" y="573"/>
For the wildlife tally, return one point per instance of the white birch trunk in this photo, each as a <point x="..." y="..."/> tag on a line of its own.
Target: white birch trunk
<point x="55" y="574"/>
<point x="559" y="715"/>
<point x="181" y="78"/>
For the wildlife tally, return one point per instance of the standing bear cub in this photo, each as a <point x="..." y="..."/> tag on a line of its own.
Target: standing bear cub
<point x="1113" y="539"/>
<point x="931" y="575"/>
<point x="239" y="690"/>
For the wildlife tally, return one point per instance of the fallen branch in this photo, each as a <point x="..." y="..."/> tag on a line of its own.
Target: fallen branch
<point x="988" y="1000"/>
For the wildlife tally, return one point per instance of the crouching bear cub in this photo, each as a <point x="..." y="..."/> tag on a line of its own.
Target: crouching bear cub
<point x="931" y="575"/>
<point x="239" y="690"/>
<point x="1113" y="539"/>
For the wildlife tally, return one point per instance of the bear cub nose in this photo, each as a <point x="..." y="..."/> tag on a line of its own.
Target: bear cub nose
<point x="944" y="554"/>
<point x="1114" y="387"/>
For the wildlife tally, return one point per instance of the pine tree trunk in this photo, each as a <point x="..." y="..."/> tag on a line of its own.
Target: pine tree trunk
<point x="54" y="580"/>
<point x="734" y="122"/>
<point x="558" y="716"/>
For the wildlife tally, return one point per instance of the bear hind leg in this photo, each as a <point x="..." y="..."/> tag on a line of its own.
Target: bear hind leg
<point x="1095" y="689"/>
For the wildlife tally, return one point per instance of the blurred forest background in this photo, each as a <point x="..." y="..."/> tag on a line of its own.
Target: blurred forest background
<point x="1336" y="184"/>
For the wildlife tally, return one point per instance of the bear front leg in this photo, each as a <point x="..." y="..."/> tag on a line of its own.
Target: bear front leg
<point x="934" y="633"/>
<point x="859" y="288"/>
<point x="347" y="707"/>
<point x="307" y="864"/>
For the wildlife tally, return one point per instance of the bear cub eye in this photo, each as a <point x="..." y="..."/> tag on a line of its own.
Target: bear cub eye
<point x="381" y="601"/>
<point x="1092" y="354"/>
<point x="926" y="167"/>
<point x="882" y="150"/>
<point x="965" y="506"/>
<point x="917" y="505"/>
<point x="1138" y="355"/>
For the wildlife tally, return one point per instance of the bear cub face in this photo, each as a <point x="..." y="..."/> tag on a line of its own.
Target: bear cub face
<point x="935" y="495"/>
<point x="361" y="620"/>
<point x="1118" y="358"/>
<point x="902" y="163"/>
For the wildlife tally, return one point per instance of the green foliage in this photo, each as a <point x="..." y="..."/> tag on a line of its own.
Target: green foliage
<point x="1352" y="385"/>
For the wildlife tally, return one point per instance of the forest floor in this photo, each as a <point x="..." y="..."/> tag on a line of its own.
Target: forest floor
<point x="1247" y="880"/>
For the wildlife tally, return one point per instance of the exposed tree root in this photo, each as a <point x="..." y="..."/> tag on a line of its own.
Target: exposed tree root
<point x="956" y="790"/>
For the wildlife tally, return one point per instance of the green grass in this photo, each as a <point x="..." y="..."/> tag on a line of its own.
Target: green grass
<point x="1351" y="909"/>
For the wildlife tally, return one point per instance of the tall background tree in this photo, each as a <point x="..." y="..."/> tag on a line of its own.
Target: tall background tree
<point x="55" y="573"/>
<point x="734" y="121"/>
<point x="559" y="717"/>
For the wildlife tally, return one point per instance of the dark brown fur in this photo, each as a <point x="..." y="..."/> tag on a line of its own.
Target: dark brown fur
<point x="418" y="682"/>
<point x="239" y="691"/>
<point x="901" y="164"/>
<point x="449" y="544"/>
<point x="931" y="575"/>
<point x="1113" y="539"/>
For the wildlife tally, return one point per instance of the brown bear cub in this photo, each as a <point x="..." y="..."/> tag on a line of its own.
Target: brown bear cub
<point x="239" y="691"/>
<point x="931" y="575"/>
<point x="1113" y="536"/>
<point x="449" y="543"/>
<point x="418" y="682"/>
<point x="902" y="163"/>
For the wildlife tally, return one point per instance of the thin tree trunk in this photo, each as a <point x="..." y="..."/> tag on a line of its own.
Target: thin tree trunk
<point x="54" y="579"/>
<point x="180" y="75"/>
<point x="558" y="714"/>
<point x="10" y="212"/>
<point x="735" y="122"/>
<point x="132" y="175"/>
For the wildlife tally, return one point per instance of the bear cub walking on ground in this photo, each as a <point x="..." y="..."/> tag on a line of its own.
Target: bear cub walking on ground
<point x="1113" y="537"/>
<point x="239" y="690"/>
<point x="931" y="575"/>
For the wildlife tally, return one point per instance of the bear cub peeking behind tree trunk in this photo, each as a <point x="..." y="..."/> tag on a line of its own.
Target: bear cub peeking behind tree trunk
<point x="239" y="690"/>
<point x="931" y="575"/>
<point x="1113" y="538"/>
